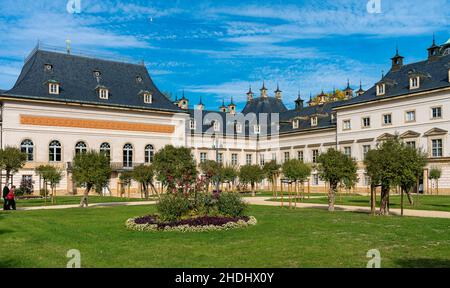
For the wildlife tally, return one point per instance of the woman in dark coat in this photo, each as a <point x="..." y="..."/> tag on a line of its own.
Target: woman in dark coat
<point x="4" y="195"/>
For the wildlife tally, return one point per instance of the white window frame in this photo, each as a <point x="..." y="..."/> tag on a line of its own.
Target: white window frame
<point x="148" y="98"/>
<point x="300" y="155"/>
<point x="433" y="110"/>
<point x="234" y="159"/>
<point x="103" y="93"/>
<point x="295" y="124"/>
<point x="390" y="118"/>
<point x="381" y="89"/>
<point x="53" y="88"/>
<point x="410" y="112"/>
<point x="364" y="124"/>
<point x="439" y="148"/>
<point x="203" y="157"/>
<point x="364" y="151"/>
<point x="348" y="150"/>
<point x="314" y="121"/>
<point x="346" y="124"/>
<point x="414" y="83"/>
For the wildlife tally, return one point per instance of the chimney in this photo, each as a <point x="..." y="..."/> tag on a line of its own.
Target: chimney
<point x="397" y="61"/>
<point x="299" y="102"/>
<point x="278" y="93"/>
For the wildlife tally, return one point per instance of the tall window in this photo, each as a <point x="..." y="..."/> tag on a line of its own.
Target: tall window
<point x="387" y="119"/>
<point x="314" y="121"/>
<point x="286" y="156"/>
<point x="315" y="154"/>
<point x="234" y="159"/>
<point x="248" y="159"/>
<point x="192" y="124"/>
<point x="300" y="155"/>
<point x="436" y="146"/>
<point x="366" y="149"/>
<point x="315" y="179"/>
<point x="262" y="160"/>
<point x="80" y="148"/>
<point x="128" y="155"/>
<point x="27" y="148"/>
<point x="203" y="157"/>
<point x="411" y="144"/>
<point x="347" y="125"/>
<point x="149" y="153"/>
<point x="54" y="154"/>
<point x="220" y="158"/>
<point x="348" y="151"/>
<point x="105" y="149"/>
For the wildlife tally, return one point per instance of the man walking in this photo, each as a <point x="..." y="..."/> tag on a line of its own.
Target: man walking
<point x="5" y="195"/>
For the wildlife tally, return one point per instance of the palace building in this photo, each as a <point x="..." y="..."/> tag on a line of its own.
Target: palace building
<point x="64" y="104"/>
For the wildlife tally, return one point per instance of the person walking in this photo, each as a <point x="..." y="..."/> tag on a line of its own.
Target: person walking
<point x="11" y="198"/>
<point x="4" y="195"/>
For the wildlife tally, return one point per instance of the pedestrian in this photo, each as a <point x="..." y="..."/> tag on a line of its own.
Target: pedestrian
<point x="11" y="198"/>
<point x="4" y="194"/>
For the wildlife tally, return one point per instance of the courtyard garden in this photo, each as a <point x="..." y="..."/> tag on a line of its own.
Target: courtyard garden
<point x="282" y="238"/>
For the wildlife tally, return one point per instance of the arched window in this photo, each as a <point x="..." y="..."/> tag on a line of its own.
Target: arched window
<point x="128" y="155"/>
<point x="80" y="148"/>
<point x="54" y="154"/>
<point x="105" y="149"/>
<point x="149" y="153"/>
<point x="27" y="147"/>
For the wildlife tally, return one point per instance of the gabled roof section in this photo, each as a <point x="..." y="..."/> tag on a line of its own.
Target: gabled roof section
<point x="264" y="105"/>
<point x="435" y="132"/>
<point x="78" y="82"/>
<point x="385" y="136"/>
<point x="410" y="134"/>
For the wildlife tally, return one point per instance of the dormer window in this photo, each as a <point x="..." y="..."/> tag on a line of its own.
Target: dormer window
<point x="103" y="93"/>
<point x="216" y="126"/>
<point x="192" y="124"/>
<point x="257" y="129"/>
<point x="148" y="99"/>
<point x="333" y="117"/>
<point x="295" y="124"/>
<point x="414" y="82"/>
<point x="238" y="128"/>
<point x="314" y="121"/>
<point x="53" y="88"/>
<point x="381" y="89"/>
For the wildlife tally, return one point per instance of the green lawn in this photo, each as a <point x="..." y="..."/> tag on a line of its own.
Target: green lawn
<point x="65" y="200"/>
<point x="424" y="202"/>
<point x="282" y="238"/>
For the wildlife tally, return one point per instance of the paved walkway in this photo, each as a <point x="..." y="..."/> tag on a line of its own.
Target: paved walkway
<point x="361" y="209"/>
<point x="262" y="201"/>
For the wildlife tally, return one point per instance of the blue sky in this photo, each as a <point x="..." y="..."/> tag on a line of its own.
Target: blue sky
<point x="216" y="49"/>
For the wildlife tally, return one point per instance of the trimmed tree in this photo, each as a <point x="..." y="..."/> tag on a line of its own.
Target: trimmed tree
<point x="228" y="175"/>
<point x="125" y="178"/>
<point x="144" y="175"/>
<point x="336" y="168"/>
<point x="434" y="175"/>
<point x="297" y="171"/>
<point x="175" y="168"/>
<point x="211" y="171"/>
<point x="382" y="166"/>
<point x="11" y="160"/>
<point x="91" y="170"/>
<point x="271" y="172"/>
<point x="53" y="176"/>
<point x="251" y="174"/>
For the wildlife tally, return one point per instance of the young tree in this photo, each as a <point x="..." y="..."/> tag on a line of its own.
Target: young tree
<point x="434" y="175"/>
<point x="211" y="171"/>
<point x="382" y="165"/>
<point x="11" y="160"/>
<point x="125" y="178"/>
<point x="91" y="170"/>
<point x="228" y="175"/>
<point x="411" y="164"/>
<point x="335" y="167"/>
<point x="297" y="171"/>
<point x="53" y="176"/>
<point x="251" y="174"/>
<point x="144" y="175"/>
<point x="175" y="168"/>
<point x="271" y="172"/>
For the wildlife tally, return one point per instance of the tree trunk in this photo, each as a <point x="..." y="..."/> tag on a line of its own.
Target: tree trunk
<point x="84" y="199"/>
<point x="253" y="189"/>
<point x="384" y="206"/>
<point x="372" y="199"/>
<point x="331" y="196"/>
<point x="401" y="201"/>
<point x="410" y="199"/>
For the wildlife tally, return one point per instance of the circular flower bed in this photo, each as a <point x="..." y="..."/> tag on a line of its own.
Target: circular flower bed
<point x="197" y="224"/>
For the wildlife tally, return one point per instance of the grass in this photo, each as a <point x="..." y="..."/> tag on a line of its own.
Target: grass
<point x="282" y="238"/>
<point x="424" y="202"/>
<point x="66" y="200"/>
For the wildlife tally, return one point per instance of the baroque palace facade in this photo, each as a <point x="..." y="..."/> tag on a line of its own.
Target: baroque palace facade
<point x="63" y="104"/>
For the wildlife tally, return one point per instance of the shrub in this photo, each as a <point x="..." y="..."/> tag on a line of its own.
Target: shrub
<point x="231" y="204"/>
<point x="206" y="204"/>
<point x="26" y="187"/>
<point x="172" y="207"/>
